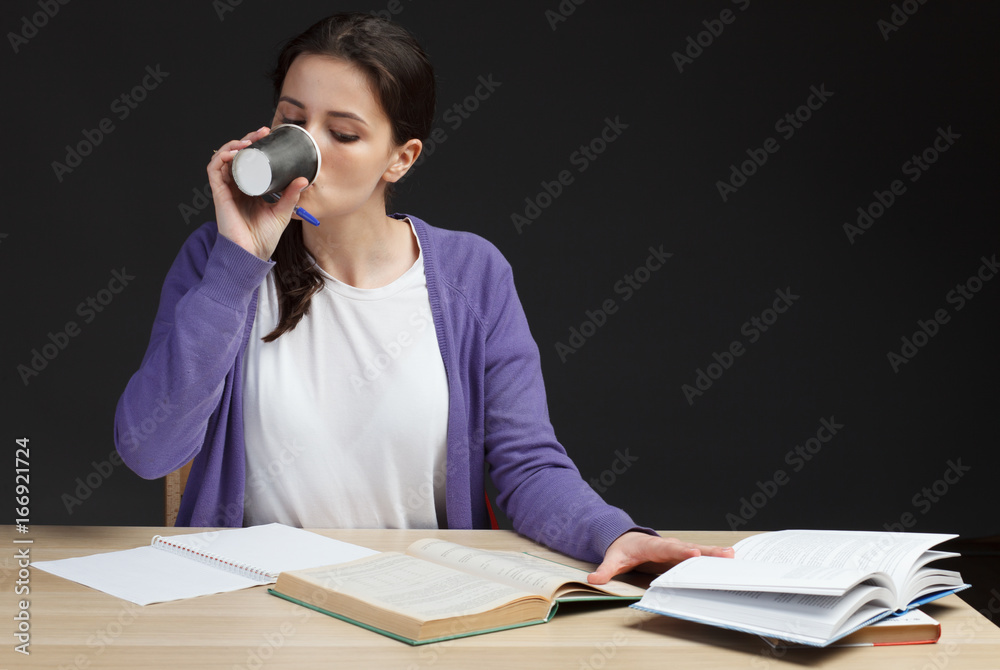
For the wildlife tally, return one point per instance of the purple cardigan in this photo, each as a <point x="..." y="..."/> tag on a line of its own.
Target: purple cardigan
<point x="185" y="401"/>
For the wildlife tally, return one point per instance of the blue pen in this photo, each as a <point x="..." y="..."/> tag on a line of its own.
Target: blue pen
<point x="274" y="197"/>
<point x="307" y="216"/>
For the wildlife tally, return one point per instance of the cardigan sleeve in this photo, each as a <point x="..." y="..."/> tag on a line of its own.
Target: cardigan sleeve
<point x="540" y="488"/>
<point x="163" y="415"/>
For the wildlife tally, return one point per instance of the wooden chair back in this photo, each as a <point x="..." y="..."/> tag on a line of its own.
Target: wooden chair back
<point x="173" y="490"/>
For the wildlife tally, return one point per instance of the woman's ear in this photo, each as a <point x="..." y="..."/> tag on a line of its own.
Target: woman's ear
<point x="405" y="157"/>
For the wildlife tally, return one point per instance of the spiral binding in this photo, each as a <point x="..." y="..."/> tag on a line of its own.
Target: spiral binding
<point x="215" y="560"/>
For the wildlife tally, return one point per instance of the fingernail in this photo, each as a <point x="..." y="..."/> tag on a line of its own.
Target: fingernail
<point x="262" y="128"/>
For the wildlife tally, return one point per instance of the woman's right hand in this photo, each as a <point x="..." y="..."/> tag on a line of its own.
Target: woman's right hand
<point x="249" y="221"/>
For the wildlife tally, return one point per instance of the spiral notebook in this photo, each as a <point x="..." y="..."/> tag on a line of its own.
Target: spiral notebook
<point x="198" y="564"/>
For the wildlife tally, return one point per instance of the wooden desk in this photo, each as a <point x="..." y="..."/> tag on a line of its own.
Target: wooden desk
<point x="73" y="626"/>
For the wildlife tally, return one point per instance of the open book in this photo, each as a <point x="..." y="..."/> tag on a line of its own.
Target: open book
<point x="807" y="586"/>
<point x="198" y="564"/>
<point x="440" y="590"/>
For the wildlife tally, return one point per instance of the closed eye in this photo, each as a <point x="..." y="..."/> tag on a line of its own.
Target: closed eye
<point x="341" y="137"/>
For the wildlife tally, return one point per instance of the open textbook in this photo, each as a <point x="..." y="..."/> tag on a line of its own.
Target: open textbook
<point x="198" y="564"/>
<point x="440" y="590"/>
<point x="807" y="586"/>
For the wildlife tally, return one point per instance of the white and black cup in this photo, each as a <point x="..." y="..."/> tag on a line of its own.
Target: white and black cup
<point x="274" y="161"/>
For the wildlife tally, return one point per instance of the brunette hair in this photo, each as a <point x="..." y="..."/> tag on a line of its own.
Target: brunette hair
<point x="402" y="80"/>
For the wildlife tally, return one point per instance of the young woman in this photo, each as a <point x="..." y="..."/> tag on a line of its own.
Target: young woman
<point x="361" y="373"/>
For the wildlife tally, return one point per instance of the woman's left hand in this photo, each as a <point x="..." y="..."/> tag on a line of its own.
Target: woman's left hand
<point x="649" y="553"/>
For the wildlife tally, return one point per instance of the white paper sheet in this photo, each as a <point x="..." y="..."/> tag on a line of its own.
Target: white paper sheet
<point x="146" y="575"/>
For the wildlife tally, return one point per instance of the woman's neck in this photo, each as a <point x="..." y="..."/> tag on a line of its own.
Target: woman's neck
<point x="364" y="249"/>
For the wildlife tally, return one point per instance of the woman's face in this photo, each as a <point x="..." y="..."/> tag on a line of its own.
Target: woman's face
<point x="332" y="100"/>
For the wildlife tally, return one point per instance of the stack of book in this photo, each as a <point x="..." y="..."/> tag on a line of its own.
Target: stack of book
<point x="809" y="587"/>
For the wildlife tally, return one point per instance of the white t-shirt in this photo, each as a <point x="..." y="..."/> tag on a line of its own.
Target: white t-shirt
<point x="345" y="418"/>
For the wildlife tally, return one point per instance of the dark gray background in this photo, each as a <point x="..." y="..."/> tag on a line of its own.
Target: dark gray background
<point x="689" y="465"/>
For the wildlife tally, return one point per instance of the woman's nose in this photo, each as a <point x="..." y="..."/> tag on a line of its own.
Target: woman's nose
<point x="315" y="129"/>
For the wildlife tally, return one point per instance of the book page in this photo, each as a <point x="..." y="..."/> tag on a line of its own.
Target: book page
<point x="891" y="553"/>
<point x="930" y="581"/>
<point x="518" y="570"/>
<point x="911" y="618"/>
<point x="710" y="572"/>
<point x="421" y="590"/>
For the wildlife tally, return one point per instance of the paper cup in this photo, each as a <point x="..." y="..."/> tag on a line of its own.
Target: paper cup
<point x="273" y="162"/>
